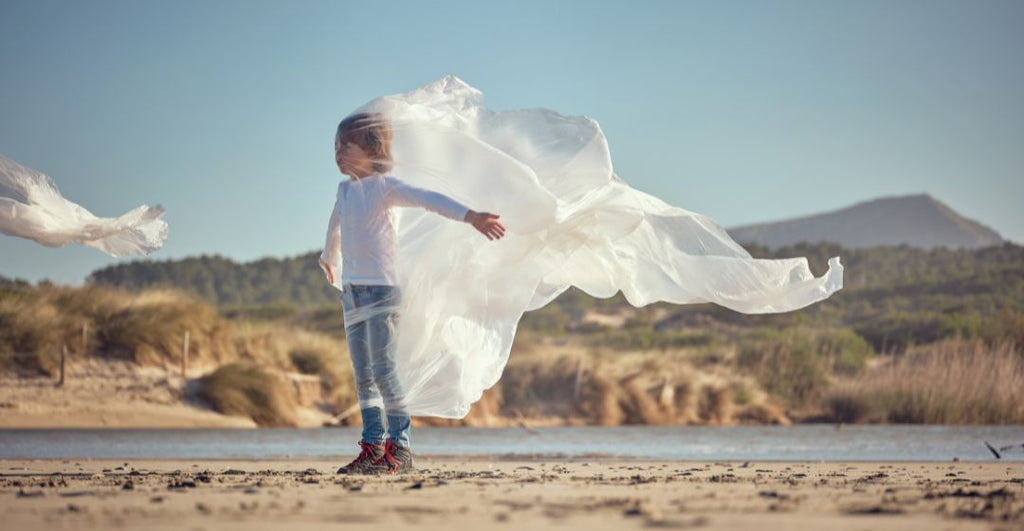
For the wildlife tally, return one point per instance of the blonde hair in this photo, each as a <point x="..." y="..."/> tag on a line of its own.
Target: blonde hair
<point x="371" y="132"/>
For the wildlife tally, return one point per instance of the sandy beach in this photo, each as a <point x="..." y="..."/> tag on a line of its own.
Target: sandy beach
<point x="493" y="493"/>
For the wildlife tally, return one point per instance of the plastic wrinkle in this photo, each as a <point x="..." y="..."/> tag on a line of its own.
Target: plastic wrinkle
<point x="31" y="207"/>
<point x="571" y="222"/>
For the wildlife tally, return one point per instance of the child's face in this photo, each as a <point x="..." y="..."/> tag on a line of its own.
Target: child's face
<point x="352" y="160"/>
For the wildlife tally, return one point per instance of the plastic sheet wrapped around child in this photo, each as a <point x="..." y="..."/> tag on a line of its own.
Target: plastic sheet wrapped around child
<point x="571" y="222"/>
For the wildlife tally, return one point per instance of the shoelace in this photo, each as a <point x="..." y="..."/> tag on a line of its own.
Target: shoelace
<point x="366" y="453"/>
<point x="389" y="456"/>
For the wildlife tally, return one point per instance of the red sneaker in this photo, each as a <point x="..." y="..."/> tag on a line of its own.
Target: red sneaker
<point x="369" y="461"/>
<point x="397" y="459"/>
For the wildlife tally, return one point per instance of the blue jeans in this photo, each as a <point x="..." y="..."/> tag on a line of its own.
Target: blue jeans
<point x="371" y="320"/>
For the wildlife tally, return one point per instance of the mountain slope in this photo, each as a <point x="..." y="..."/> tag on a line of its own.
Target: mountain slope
<point x="916" y="220"/>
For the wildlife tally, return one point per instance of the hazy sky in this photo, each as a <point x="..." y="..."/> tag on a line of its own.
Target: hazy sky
<point x="224" y="112"/>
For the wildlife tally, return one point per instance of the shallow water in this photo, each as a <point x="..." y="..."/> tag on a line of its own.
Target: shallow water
<point x="799" y="443"/>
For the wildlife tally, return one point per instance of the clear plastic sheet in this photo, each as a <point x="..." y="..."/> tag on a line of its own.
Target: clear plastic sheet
<point x="570" y="220"/>
<point x="32" y="207"/>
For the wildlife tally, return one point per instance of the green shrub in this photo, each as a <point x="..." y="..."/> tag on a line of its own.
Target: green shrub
<point x="847" y="351"/>
<point x="785" y="362"/>
<point x="551" y="318"/>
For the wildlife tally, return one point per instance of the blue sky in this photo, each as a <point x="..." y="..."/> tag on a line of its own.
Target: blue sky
<point x="224" y="111"/>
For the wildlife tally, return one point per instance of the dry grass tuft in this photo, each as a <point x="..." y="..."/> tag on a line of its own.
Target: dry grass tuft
<point x="716" y="405"/>
<point x="249" y="391"/>
<point x="643" y="403"/>
<point x="950" y="382"/>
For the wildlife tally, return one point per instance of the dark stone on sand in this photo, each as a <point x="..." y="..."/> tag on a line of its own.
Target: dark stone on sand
<point x="874" y="509"/>
<point x="415" y="486"/>
<point x="31" y="494"/>
<point x="233" y="472"/>
<point x="178" y="484"/>
<point x="77" y="494"/>
<point x="1001" y="492"/>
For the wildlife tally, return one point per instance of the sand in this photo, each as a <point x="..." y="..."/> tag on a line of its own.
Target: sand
<point x="106" y="394"/>
<point x="493" y="493"/>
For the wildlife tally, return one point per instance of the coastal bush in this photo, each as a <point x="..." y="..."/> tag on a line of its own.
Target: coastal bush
<point x="151" y="331"/>
<point x="32" y="332"/>
<point x="267" y="312"/>
<point x="791" y="372"/>
<point x="797" y="364"/>
<point x="249" y="391"/>
<point x="1006" y="326"/>
<point x="644" y="337"/>
<point x="545" y="386"/>
<point x="550" y="318"/>
<point x="847" y="352"/>
<point x="848" y="406"/>
<point x="952" y="382"/>
<point x="148" y="327"/>
<point x="785" y="363"/>
<point x="307" y="361"/>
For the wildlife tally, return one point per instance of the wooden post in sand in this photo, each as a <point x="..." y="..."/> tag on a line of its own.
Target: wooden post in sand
<point x="579" y="380"/>
<point x="85" y="336"/>
<point x="63" y="362"/>
<point x="184" y="356"/>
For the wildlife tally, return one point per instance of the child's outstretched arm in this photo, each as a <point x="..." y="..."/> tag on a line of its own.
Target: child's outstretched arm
<point x="402" y="194"/>
<point x="332" y="247"/>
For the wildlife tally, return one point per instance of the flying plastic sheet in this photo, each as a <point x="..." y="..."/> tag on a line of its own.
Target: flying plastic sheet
<point x="32" y="207"/>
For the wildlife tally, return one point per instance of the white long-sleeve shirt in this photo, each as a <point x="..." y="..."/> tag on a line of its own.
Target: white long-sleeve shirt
<point x="361" y="236"/>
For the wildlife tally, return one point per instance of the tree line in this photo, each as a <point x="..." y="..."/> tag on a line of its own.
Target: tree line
<point x="893" y="296"/>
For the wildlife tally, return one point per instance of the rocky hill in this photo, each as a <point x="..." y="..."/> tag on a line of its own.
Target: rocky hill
<point x="917" y="220"/>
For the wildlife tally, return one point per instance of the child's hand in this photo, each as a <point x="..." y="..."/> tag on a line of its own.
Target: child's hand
<point x="487" y="224"/>
<point x="327" y="270"/>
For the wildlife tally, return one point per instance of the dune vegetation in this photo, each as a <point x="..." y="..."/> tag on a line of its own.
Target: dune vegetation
<point x="243" y="360"/>
<point x="916" y="336"/>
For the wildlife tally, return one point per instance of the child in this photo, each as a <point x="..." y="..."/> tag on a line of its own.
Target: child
<point x="362" y="231"/>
